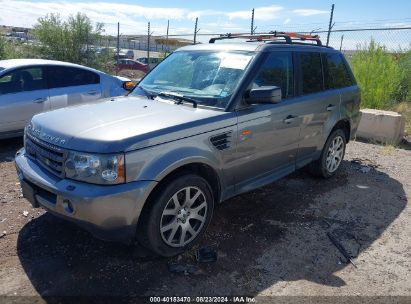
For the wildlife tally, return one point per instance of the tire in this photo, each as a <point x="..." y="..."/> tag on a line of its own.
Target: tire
<point x="331" y="156"/>
<point x="173" y="224"/>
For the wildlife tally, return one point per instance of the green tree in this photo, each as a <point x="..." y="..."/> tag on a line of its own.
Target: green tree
<point x="10" y="49"/>
<point x="404" y="89"/>
<point x="378" y="74"/>
<point x="70" y="40"/>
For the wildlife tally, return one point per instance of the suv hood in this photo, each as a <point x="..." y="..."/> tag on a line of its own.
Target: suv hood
<point x="125" y="123"/>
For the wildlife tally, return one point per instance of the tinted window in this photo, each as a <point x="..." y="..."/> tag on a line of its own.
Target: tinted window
<point x="335" y="72"/>
<point x="22" y="80"/>
<point x="277" y="70"/>
<point x="67" y="77"/>
<point x="311" y="72"/>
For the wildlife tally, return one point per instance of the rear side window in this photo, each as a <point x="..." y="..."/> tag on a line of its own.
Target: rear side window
<point x="61" y="77"/>
<point x="277" y="70"/>
<point x="22" y="80"/>
<point x="335" y="72"/>
<point x="311" y="72"/>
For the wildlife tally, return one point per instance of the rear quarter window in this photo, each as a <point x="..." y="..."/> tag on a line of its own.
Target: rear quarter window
<point x="336" y="74"/>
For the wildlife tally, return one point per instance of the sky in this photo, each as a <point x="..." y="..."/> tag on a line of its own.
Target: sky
<point x="215" y="16"/>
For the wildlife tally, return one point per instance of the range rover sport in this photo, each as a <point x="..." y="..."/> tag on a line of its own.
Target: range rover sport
<point x="209" y="122"/>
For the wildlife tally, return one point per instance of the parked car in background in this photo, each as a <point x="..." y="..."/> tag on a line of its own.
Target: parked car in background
<point x="105" y="51"/>
<point x="153" y="61"/>
<point x="128" y="64"/>
<point x="129" y="53"/>
<point x="124" y="54"/>
<point x="32" y="86"/>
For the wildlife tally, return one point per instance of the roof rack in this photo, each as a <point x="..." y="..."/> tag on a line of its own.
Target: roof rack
<point x="270" y="37"/>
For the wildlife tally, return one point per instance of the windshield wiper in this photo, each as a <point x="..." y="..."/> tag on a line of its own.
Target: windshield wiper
<point x="149" y="95"/>
<point x="180" y="98"/>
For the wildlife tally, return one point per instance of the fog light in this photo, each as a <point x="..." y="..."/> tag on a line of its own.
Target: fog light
<point x="68" y="207"/>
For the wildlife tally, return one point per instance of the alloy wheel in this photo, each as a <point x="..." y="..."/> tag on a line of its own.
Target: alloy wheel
<point x="335" y="154"/>
<point x="183" y="217"/>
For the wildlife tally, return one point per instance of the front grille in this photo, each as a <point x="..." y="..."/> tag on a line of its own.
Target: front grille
<point x="46" y="155"/>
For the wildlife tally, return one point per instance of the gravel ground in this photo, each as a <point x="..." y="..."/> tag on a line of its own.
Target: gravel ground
<point x="272" y="241"/>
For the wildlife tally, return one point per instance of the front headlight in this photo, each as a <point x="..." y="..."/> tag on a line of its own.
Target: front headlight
<point x="95" y="168"/>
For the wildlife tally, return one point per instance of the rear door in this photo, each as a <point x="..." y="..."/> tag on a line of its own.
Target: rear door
<point x="338" y="76"/>
<point x="316" y="106"/>
<point x="23" y="93"/>
<point x="71" y="86"/>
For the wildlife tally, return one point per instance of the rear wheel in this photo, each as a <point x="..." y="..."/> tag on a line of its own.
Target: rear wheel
<point x="331" y="156"/>
<point x="179" y="215"/>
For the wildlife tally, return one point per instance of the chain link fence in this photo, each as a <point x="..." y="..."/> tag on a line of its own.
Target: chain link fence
<point x="348" y="40"/>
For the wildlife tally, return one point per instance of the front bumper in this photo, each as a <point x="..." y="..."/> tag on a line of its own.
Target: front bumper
<point x="108" y="212"/>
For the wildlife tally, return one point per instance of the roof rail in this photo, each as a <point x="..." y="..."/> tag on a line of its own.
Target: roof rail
<point x="270" y="37"/>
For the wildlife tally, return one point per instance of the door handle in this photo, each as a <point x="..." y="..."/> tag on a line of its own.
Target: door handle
<point x="330" y="107"/>
<point x="92" y="93"/>
<point x="40" y="100"/>
<point x="289" y="119"/>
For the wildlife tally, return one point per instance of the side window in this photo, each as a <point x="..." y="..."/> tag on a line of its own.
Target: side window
<point x="61" y="77"/>
<point x="277" y="70"/>
<point x="311" y="72"/>
<point x="23" y="80"/>
<point x="335" y="72"/>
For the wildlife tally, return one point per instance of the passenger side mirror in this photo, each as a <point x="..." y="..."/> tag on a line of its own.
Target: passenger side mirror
<point x="265" y="94"/>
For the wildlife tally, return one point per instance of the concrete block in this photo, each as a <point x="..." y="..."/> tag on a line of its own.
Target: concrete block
<point x="381" y="126"/>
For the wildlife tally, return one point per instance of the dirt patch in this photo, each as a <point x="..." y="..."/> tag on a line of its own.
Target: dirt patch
<point x="134" y="75"/>
<point x="272" y="241"/>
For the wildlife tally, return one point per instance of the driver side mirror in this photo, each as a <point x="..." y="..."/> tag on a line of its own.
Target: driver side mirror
<point x="262" y="95"/>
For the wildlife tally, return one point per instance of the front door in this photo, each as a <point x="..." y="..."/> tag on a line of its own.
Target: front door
<point x="268" y="134"/>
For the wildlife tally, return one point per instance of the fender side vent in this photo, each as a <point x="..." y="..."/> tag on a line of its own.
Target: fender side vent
<point x="221" y="141"/>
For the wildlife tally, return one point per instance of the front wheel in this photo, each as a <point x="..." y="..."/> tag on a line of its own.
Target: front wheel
<point x="331" y="156"/>
<point x="178" y="216"/>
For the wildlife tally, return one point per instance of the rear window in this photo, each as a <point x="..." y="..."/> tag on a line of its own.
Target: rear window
<point x="61" y="77"/>
<point x="311" y="72"/>
<point x="335" y="72"/>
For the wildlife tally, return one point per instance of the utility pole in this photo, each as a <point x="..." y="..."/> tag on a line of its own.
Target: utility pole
<point x="331" y="24"/>
<point x="118" y="45"/>
<point x="87" y="50"/>
<point x="252" y="22"/>
<point x="148" y="45"/>
<point x="168" y="26"/>
<point x="195" y="31"/>
<point x="342" y="38"/>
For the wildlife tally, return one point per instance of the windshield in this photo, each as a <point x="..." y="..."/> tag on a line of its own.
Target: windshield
<point x="208" y="77"/>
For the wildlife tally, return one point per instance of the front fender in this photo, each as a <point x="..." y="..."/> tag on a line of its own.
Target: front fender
<point x="155" y="164"/>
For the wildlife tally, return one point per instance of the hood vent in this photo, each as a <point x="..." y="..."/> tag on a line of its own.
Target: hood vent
<point x="221" y="141"/>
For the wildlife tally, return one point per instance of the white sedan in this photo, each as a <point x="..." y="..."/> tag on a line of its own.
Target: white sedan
<point x="31" y="86"/>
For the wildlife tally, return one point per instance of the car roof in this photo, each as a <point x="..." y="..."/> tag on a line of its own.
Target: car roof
<point x="17" y="63"/>
<point x="254" y="46"/>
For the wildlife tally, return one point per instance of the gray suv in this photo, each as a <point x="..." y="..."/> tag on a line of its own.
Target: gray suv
<point x="209" y="122"/>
